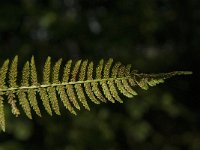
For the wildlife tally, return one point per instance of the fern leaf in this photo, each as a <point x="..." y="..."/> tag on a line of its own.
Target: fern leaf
<point x="55" y="80"/>
<point x="47" y="70"/>
<point x="94" y="85"/>
<point x="24" y="103"/>
<point x="25" y="75"/>
<point x="32" y="92"/>
<point x="66" y="73"/>
<point x="99" y="84"/>
<point x="65" y="100"/>
<point x="13" y="83"/>
<point x="103" y="83"/>
<point x="53" y="99"/>
<point x="120" y="86"/>
<point x="99" y="76"/>
<point x="51" y="90"/>
<point x="56" y="70"/>
<point x="111" y="84"/>
<point x="33" y="101"/>
<point x="45" y="100"/>
<point x="88" y="87"/>
<point x="130" y="80"/>
<point x="34" y="79"/>
<point x="60" y="89"/>
<point x="42" y="91"/>
<point x="72" y="97"/>
<point x="79" y="88"/>
<point x="13" y="73"/>
<point x="125" y="82"/>
<point x="21" y="94"/>
<point x="3" y="72"/>
<point x="2" y="116"/>
<point x="69" y="88"/>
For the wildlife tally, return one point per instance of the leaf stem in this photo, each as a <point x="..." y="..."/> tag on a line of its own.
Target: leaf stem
<point x="14" y="89"/>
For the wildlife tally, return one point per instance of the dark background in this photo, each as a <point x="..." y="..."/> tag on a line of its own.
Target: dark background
<point x="154" y="36"/>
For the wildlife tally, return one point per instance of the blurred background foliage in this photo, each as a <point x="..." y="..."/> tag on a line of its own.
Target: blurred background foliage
<point x="153" y="35"/>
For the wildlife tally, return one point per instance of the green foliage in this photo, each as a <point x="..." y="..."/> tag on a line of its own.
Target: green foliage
<point x="109" y="80"/>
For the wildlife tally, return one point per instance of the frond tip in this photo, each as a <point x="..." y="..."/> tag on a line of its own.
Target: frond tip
<point x="80" y="83"/>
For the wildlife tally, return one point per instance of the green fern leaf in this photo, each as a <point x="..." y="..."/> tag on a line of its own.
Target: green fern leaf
<point x="32" y="92"/>
<point x="81" y="83"/>
<point x="99" y="76"/>
<point x="103" y="83"/>
<point x="13" y="83"/>
<point x="78" y="87"/>
<point x="88" y="86"/>
<point x="69" y="87"/>
<point x="51" y="90"/>
<point x="42" y="91"/>
<point x="3" y="72"/>
<point x="120" y="69"/>
<point x="94" y="85"/>
<point x="22" y="93"/>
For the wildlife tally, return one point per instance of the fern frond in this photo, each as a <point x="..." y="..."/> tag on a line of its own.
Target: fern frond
<point x="33" y="101"/>
<point x="32" y="91"/>
<point x="13" y="83"/>
<point x="79" y="84"/>
<point x="120" y="69"/>
<point x="78" y="87"/>
<point x="88" y="86"/>
<point x="94" y="85"/>
<point x="51" y="90"/>
<point x="3" y="72"/>
<point x="22" y="93"/>
<point x="69" y="87"/>
<point x="103" y="83"/>
<point x="42" y="91"/>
